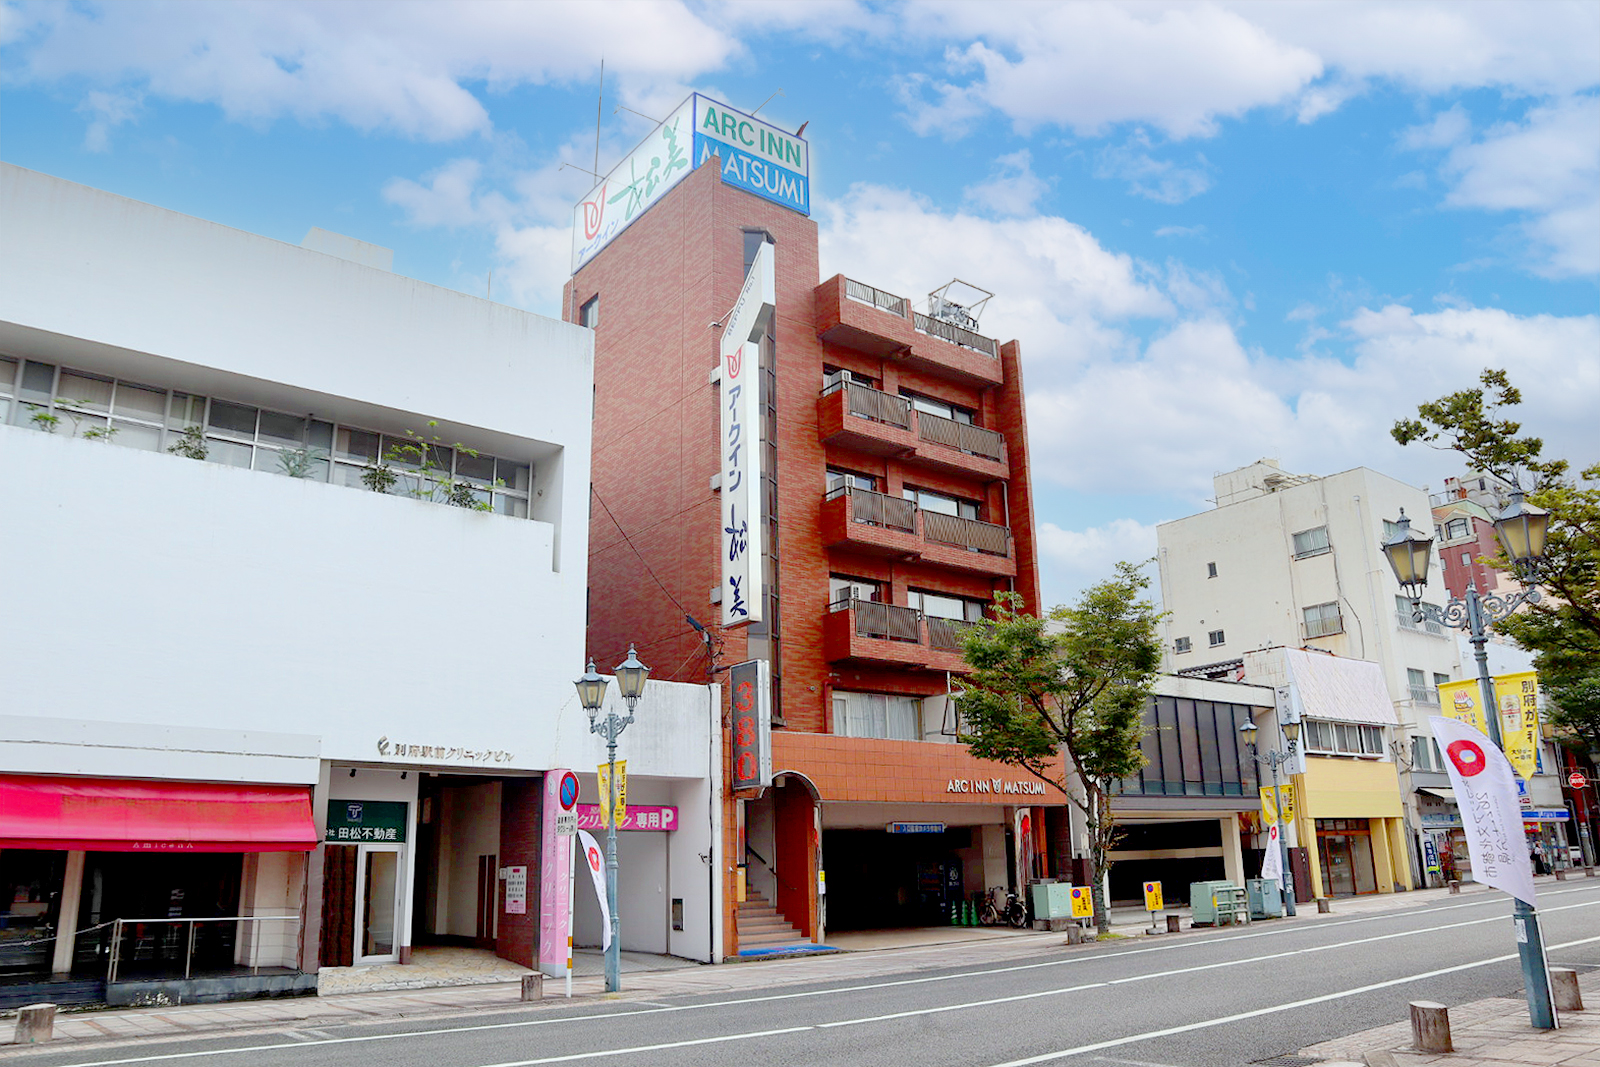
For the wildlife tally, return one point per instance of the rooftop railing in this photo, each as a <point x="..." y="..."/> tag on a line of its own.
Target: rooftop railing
<point x="866" y="294"/>
<point x="956" y="335"/>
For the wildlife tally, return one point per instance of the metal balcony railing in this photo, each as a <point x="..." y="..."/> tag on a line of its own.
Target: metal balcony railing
<point x="962" y="436"/>
<point x="947" y="634"/>
<point x="1428" y="626"/>
<point x="956" y="335"/>
<point x="1424" y="694"/>
<point x="866" y="294"/>
<point x="197" y="947"/>
<point x="878" y="509"/>
<point x="869" y="403"/>
<point x="970" y="534"/>
<point x="885" y="622"/>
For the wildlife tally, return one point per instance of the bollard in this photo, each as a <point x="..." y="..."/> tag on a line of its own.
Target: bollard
<point x="1455" y="888"/>
<point x="1324" y="906"/>
<point x="1561" y="874"/>
<point x="1430" y="1026"/>
<point x="1588" y="872"/>
<point x="1172" y="924"/>
<point x="533" y="986"/>
<point x="1074" y="934"/>
<point x="1564" y="989"/>
<point x="35" y="1023"/>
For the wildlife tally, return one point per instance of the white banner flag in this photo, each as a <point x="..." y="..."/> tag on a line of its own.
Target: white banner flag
<point x="595" y="860"/>
<point x="1272" y="862"/>
<point x="1486" y="793"/>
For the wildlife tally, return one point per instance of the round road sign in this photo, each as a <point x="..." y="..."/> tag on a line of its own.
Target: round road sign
<point x="568" y="794"/>
<point x="1576" y="780"/>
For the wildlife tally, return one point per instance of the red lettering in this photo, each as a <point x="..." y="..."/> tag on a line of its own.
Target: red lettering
<point x="745" y="731"/>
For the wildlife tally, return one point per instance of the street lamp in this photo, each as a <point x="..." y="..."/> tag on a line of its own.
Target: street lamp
<point x="1291" y="733"/>
<point x="631" y="675"/>
<point x="1521" y="529"/>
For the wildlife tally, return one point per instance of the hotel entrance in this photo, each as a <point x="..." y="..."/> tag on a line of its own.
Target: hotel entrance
<point x="1345" y="848"/>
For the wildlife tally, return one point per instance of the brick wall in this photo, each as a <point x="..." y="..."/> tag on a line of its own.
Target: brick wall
<point x="520" y="809"/>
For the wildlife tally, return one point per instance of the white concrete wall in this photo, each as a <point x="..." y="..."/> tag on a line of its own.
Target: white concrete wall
<point x="274" y="884"/>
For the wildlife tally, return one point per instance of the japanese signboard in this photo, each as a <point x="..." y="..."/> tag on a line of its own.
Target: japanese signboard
<point x="1082" y="902"/>
<point x="1270" y="805"/>
<point x="750" y="684"/>
<point x="516" y="890"/>
<point x="1517" y="697"/>
<point x="659" y="162"/>
<point x="556" y="845"/>
<point x="637" y="817"/>
<point x="1152" y="896"/>
<point x="753" y="155"/>
<point x="1463" y="702"/>
<point x="743" y="514"/>
<point x="604" y="774"/>
<point x="351" y="821"/>
<point x="1486" y="793"/>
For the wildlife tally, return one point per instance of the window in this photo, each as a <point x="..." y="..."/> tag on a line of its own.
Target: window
<point x="1323" y="620"/>
<point x="842" y="589"/>
<point x="1215" y="637"/>
<point x="589" y="313"/>
<point x="1311" y="542"/>
<point x="1421" y="691"/>
<point x="1420" y="753"/>
<point x="946" y="606"/>
<point x="1466" y="559"/>
<point x="877" y="715"/>
<point x="928" y="500"/>
<point x="1180" y="645"/>
<point x="1440" y="679"/>
<point x="1455" y="528"/>
<point x="832" y="376"/>
<point x="932" y="406"/>
<point x="1211" y="570"/>
<point x="753" y="240"/>
<point x="1343" y="738"/>
<point x="839" y="478"/>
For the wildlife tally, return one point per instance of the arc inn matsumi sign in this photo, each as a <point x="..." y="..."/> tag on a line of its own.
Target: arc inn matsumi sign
<point x="1025" y="786"/>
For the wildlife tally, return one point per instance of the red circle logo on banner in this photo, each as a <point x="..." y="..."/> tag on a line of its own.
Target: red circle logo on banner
<point x="1467" y="756"/>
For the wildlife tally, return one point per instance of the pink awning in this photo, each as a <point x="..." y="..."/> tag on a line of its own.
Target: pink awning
<point x="124" y="815"/>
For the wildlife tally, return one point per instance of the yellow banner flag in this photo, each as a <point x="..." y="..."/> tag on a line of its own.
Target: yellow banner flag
<point x="1517" y="696"/>
<point x="622" y="792"/>
<point x="1269" y="804"/>
<point x="1286" y="791"/>
<point x="1463" y="702"/>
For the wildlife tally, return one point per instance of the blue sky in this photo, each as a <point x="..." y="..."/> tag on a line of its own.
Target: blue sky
<point x="1220" y="230"/>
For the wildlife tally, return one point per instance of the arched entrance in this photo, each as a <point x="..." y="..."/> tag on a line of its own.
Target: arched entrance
<point x="781" y="844"/>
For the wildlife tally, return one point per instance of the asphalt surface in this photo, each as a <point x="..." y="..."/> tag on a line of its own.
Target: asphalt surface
<point x="1218" y="999"/>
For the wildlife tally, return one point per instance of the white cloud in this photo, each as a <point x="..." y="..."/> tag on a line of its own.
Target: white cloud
<point x="375" y="66"/>
<point x="108" y="111"/>
<point x="1074" y="559"/>
<point x="1181" y="231"/>
<point x="1447" y="128"/>
<point x="449" y="199"/>
<point x="1155" y="179"/>
<point x="1011" y="188"/>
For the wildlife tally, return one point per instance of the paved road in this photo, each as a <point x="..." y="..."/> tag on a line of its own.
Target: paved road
<point x="1213" y="1000"/>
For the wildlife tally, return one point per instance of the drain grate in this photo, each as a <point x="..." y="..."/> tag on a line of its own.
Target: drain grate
<point x="1288" y="1061"/>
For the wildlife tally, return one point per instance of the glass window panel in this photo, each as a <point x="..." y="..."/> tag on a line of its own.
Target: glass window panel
<point x="231" y="453"/>
<point x="84" y="391"/>
<point x="186" y="411"/>
<point x="357" y="445"/>
<point x="402" y="451"/>
<point x="515" y="506"/>
<point x="902" y="718"/>
<point x="8" y="376"/>
<point x="269" y="460"/>
<point x="478" y="469"/>
<point x="1211" y="768"/>
<point x="514" y="475"/>
<point x="345" y="474"/>
<point x="5" y="411"/>
<point x="233" y="419"/>
<point x="279" y="428"/>
<point x="320" y="435"/>
<point x="140" y="401"/>
<point x="136" y="435"/>
<point x="77" y="423"/>
<point x="38" y="380"/>
<point x="1188" y="733"/>
<point x="440" y="457"/>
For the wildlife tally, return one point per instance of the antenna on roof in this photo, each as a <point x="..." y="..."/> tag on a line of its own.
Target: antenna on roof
<point x="641" y="114"/>
<point x="767" y="101"/>
<point x="586" y="170"/>
<point x="964" y="314"/>
<point x="598" y="104"/>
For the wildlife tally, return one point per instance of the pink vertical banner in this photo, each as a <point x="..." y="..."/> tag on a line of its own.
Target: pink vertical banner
<point x="555" y="897"/>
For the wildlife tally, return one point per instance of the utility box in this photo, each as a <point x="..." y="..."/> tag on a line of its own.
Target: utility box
<point x="1265" y="897"/>
<point x="1203" y="901"/>
<point x="1051" y="900"/>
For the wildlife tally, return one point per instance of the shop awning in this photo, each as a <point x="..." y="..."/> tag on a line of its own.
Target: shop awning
<point x="123" y="815"/>
<point x="1443" y="792"/>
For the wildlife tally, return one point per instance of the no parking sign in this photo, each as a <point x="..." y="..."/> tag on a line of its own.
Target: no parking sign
<point x="1082" y="902"/>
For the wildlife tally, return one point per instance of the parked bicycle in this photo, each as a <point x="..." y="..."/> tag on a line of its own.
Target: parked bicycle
<point x="1000" y="905"/>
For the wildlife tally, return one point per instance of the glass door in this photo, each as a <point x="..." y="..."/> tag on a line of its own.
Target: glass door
<point x="377" y="904"/>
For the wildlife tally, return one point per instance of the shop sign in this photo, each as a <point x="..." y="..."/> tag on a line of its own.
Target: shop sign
<point x="1430" y="855"/>
<point x="1517" y="696"/>
<point x="916" y="828"/>
<point x="1486" y="793"/>
<point x="604" y="777"/>
<point x="1440" y="821"/>
<point x="1576" y="780"/>
<point x="1026" y="786"/>
<point x="516" y="890"/>
<point x="751" y="685"/>
<point x="743" y="544"/>
<point x="755" y="156"/>
<point x="440" y="753"/>
<point x="350" y="821"/>
<point x="659" y="162"/>
<point x="637" y="817"/>
<point x="1545" y="815"/>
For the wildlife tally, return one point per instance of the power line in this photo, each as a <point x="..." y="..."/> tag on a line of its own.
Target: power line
<point x="629" y="542"/>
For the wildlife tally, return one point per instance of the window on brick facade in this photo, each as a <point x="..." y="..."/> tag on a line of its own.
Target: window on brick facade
<point x="589" y="313"/>
<point x="877" y="715"/>
<point x="839" y="478"/>
<point x="934" y="406"/>
<point x="1455" y="528"/>
<point x="944" y="504"/>
<point x="843" y="588"/>
<point x="753" y="240"/>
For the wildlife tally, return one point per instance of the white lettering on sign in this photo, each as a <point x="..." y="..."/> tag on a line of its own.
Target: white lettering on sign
<point x="1025" y="787"/>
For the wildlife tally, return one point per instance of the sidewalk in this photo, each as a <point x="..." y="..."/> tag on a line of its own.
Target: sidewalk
<point x="1485" y="1029"/>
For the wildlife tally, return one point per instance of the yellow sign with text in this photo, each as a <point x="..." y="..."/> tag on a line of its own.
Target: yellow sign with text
<point x="1463" y="702"/>
<point x="1082" y="902"/>
<point x="1269" y="805"/>
<point x="1517" y="698"/>
<point x="622" y="792"/>
<point x="1152" y="896"/>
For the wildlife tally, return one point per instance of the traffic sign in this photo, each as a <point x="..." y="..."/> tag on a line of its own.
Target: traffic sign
<point x="1576" y="780"/>
<point x="1082" y="903"/>
<point x="566" y="823"/>
<point x="568" y="793"/>
<point x="1152" y="896"/>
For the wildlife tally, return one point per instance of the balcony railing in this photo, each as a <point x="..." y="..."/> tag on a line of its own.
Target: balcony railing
<point x="866" y="294"/>
<point x="970" y="534"/>
<point x="973" y="440"/>
<point x="878" y="509"/>
<point x="165" y="947"/>
<point x="956" y="335"/>
<point x="947" y="634"/>
<point x="1406" y="622"/>
<point x="869" y="403"/>
<point x="1423" y="694"/>
<point x="886" y="622"/>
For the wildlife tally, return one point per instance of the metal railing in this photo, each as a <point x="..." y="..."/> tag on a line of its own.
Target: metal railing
<point x="1424" y="694"/>
<point x="947" y="634"/>
<point x="866" y="294"/>
<point x="956" y="335"/>
<point x="1406" y="622"/>
<point x="962" y="436"/>
<point x="966" y="533"/>
<point x="158" y="941"/>
<point x="869" y="403"/>
<point x="889" y="622"/>
<point x="878" y="509"/>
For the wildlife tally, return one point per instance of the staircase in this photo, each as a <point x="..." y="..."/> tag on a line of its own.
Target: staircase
<point x="762" y="929"/>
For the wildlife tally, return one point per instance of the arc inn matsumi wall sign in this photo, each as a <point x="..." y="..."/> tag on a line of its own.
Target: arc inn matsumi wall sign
<point x="753" y="155"/>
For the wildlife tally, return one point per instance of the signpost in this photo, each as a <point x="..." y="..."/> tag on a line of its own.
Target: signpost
<point x="1577" y="780"/>
<point x="1153" y="902"/>
<point x="567" y="826"/>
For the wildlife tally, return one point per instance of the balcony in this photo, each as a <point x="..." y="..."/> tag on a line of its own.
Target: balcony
<point x="890" y="635"/>
<point x="881" y="525"/>
<point x="1427" y="626"/>
<point x="855" y="315"/>
<point x="857" y="417"/>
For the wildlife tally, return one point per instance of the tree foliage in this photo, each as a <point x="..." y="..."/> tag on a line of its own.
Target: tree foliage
<point x="1563" y="629"/>
<point x="1072" y="685"/>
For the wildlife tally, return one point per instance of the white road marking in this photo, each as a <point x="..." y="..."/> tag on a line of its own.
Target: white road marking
<point x="862" y="987"/>
<point x="651" y="1048"/>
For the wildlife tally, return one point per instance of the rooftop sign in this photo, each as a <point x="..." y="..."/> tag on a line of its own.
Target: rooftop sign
<point x="753" y="155"/>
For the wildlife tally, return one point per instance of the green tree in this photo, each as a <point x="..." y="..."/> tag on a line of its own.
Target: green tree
<point x="1063" y="697"/>
<point x="1563" y="628"/>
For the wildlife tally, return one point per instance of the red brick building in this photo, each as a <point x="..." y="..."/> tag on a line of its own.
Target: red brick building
<point x="899" y="502"/>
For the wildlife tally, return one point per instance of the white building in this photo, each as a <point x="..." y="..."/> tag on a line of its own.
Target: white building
<point x="241" y="682"/>
<point x="1287" y="560"/>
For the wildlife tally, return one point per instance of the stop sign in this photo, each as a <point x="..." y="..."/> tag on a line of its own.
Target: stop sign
<point x="1576" y="780"/>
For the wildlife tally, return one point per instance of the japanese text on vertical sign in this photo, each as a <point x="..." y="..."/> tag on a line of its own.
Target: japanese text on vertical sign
<point x="751" y="691"/>
<point x="740" y="449"/>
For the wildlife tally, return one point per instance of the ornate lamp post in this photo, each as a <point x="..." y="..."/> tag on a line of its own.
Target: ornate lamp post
<point x="1291" y="734"/>
<point x="631" y="675"/>
<point x="1521" y="530"/>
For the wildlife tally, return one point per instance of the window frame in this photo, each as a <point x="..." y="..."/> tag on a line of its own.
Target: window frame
<point x="1314" y="549"/>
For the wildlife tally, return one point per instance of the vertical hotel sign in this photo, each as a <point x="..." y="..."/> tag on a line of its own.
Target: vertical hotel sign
<point x="743" y="527"/>
<point x="750" y="685"/>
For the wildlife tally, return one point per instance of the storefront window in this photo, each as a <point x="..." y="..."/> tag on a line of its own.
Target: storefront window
<point x="30" y="902"/>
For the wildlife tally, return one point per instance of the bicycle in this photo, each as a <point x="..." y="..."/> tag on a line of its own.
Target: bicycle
<point x="1012" y="912"/>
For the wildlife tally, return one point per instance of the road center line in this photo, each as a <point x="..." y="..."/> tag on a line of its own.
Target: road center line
<point x="592" y="1055"/>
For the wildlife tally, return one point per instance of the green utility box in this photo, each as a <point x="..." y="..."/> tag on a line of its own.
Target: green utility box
<point x="1266" y="899"/>
<point x="1203" y="901"/>
<point x="1051" y="900"/>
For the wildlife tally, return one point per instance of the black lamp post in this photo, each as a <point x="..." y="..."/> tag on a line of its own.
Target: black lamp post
<point x="1521" y="529"/>
<point x="631" y="675"/>
<point x="1291" y="734"/>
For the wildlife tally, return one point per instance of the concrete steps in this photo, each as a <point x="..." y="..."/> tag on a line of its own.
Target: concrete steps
<point x="761" y="927"/>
